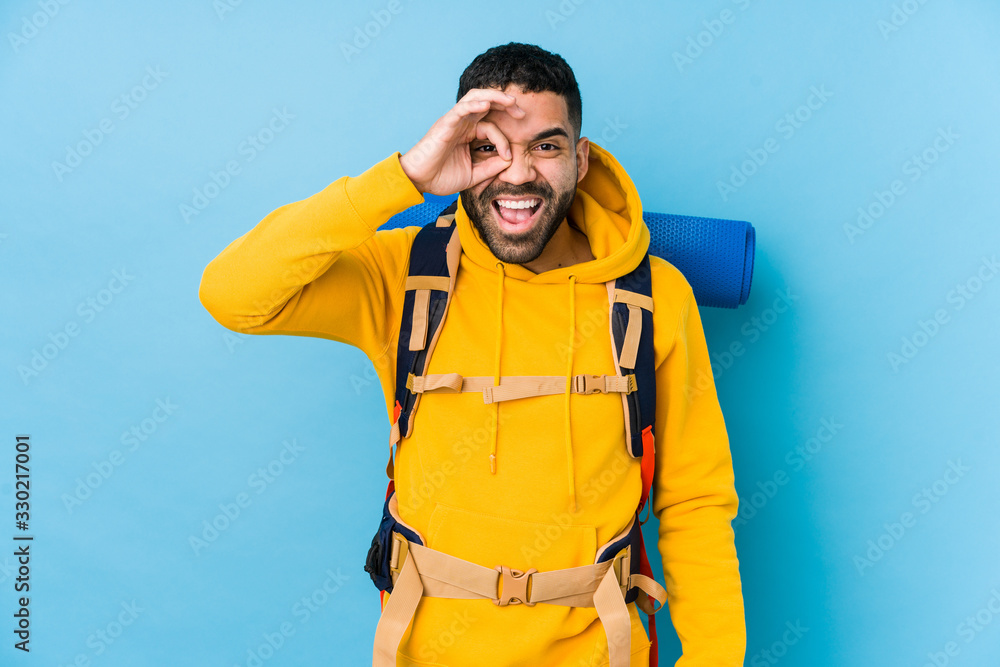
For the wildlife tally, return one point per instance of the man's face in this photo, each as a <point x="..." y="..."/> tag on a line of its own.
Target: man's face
<point x="518" y="211"/>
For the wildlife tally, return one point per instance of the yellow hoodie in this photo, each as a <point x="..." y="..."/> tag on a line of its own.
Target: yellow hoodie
<point x="563" y="483"/>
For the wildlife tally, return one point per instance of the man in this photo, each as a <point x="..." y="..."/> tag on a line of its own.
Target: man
<point x="545" y="219"/>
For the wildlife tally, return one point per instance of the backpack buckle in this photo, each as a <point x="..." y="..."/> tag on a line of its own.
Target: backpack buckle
<point x="515" y="586"/>
<point x="590" y="384"/>
<point x="399" y="551"/>
<point x="622" y="563"/>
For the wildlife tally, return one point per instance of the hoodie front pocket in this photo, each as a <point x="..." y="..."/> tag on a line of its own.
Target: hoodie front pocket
<point x="490" y="540"/>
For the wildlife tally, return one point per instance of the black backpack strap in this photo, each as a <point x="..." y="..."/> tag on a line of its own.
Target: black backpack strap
<point x="631" y="298"/>
<point x="430" y="282"/>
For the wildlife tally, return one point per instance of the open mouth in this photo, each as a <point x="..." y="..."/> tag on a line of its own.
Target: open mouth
<point x="516" y="214"/>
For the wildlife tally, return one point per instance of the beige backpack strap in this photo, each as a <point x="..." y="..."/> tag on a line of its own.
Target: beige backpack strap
<point x="519" y="386"/>
<point x="634" y="301"/>
<point x="421" y="305"/>
<point x="651" y="587"/>
<point x="614" y="617"/>
<point x="396" y="615"/>
<point x="419" y="571"/>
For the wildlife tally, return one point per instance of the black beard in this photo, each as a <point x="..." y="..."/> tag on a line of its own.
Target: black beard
<point x="519" y="248"/>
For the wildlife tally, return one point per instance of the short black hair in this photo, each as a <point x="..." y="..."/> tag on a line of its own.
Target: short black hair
<point x="530" y="68"/>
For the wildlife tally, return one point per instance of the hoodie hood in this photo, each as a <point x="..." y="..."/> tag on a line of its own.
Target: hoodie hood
<point x="608" y="211"/>
<point x="606" y="208"/>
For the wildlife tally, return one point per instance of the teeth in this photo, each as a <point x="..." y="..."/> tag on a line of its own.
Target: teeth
<point x="529" y="203"/>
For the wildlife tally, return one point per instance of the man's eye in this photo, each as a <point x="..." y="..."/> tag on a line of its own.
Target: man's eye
<point x="485" y="148"/>
<point x="548" y="147"/>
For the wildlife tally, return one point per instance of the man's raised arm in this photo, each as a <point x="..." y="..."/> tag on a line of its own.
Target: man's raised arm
<point x="315" y="268"/>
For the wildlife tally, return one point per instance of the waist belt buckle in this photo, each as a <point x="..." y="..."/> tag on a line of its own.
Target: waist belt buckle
<point x="514" y="584"/>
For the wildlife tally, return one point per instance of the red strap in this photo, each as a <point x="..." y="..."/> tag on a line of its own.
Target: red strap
<point x="648" y="467"/>
<point x="644" y="568"/>
<point x="654" y="656"/>
<point x="390" y="487"/>
<point x="648" y="463"/>
<point x="393" y="448"/>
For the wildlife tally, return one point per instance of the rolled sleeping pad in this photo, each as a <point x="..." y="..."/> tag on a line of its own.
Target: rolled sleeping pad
<point x="716" y="256"/>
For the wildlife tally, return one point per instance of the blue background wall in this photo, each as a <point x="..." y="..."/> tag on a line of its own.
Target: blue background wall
<point x="869" y="482"/>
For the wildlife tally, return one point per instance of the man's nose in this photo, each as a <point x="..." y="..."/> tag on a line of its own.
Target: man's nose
<point x="520" y="170"/>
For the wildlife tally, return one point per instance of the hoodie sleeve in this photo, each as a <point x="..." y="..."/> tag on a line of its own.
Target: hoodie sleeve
<point x="316" y="267"/>
<point x="695" y="501"/>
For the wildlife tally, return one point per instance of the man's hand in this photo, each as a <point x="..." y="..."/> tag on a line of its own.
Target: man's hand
<point x="441" y="163"/>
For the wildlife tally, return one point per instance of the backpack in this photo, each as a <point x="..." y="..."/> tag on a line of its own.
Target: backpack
<point x="430" y="283"/>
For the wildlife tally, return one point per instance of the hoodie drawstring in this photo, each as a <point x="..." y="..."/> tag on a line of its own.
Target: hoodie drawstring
<point x="569" y="380"/>
<point x="496" y="368"/>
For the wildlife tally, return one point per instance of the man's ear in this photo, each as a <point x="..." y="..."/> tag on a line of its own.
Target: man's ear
<point x="582" y="157"/>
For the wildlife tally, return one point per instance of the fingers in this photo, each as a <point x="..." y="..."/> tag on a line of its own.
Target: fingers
<point x="488" y="131"/>
<point x="496" y="163"/>
<point x="459" y="123"/>
<point x="487" y="169"/>
<point x="483" y="169"/>
<point x="482" y="100"/>
<point x="453" y="132"/>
